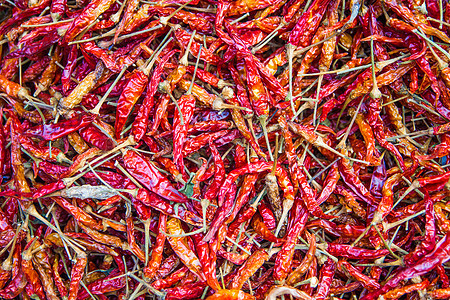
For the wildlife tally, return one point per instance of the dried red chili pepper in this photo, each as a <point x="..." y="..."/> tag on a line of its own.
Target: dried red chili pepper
<point x="155" y="261"/>
<point x="146" y="173"/>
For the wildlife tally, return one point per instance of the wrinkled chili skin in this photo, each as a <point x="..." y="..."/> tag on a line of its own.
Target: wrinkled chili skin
<point x="88" y="15"/>
<point x="189" y="291"/>
<point x="187" y="105"/>
<point x="284" y="257"/>
<point x="156" y="258"/>
<point x="130" y="94"/>
<point x="147" y="174"/>
<point x="108" y="284"/>
<point x="28" y="12"/>
<point x="141" y="122"/>
<point x="355" y="252"/>
<point x="308" y="23"/>
<point x="177" y="141"/>
<point x="325" y="277"/>
<point x="438" y="256"/>
<point x="51" y="132"/>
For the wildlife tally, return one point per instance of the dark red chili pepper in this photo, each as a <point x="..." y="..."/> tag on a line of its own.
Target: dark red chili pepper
<point x="203" y="252"/>
<point x="52" y="131"/>
<point x="180" y="128"/>
<point x="284" y="257"/>
<point x="355" y="252"/>
<point x="303" y="31"/>
<point x="261" y="229"/>
<point x="155" y="261"/>
<point x="92" y="11"/>
<point x="141" y="122"/>
<point x="325" y="277"/>
<point x="438" y="256"/>
<point x="146" y="173"/>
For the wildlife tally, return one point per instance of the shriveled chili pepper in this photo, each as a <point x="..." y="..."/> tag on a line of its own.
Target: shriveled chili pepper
<point x="186" y="255"/>
<point x="261" y="228"/>
<point x="230" y="295"/>
<point x="325" y="276"/>
<point x="398" y="292"/>
<point x="352" y="252"/>
<point x="368" y="283"/>
<point x="181" y="123"/>
<point x="254" y="262"/>
<point x="284" y="257"/>
<point x="155" y="260"/>
<point x="31" y="274"/>
<point x="110" y="283"/>
<point x="54" y="131"/>
<point x="87" y="16"/>
<point x="295" y="276"/>
<point x="140" y="124"/>
<point x="84" y="87"/>
<point x="203" y="251"/>
<point x="145" y="172"/>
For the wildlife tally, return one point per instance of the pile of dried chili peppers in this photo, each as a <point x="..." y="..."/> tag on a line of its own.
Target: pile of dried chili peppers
<point x="213" y="149"/>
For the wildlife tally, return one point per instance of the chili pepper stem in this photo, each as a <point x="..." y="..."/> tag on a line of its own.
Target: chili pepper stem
<point x="385" y="243"/>
<point x="159" y="294"/>
<point x="165" y="20"/>
<point x="7" y="263"/>
<point x="96" y="109"/>
<point x="389" y="226"/>
<point x="184" y="234"/>
<point x="46" y="24"/>
<point x="312" y="281"/>
<point x="151" y="60"/>
<point x="204" y="203"/>
<point x="375" y="93"/>
<point x="282" y="219"/>
<point x="442" y="65"/>
<point x="319" y="84"/>
<point x="177" y="105"/>
<point x="238" y="246"/>
<point x="430" y="42"/>
<point x="389" y="264"/>
<point x="379" y="64"/>
<point x="136" y="291"/>
<point x="274" y="167"/>
<point x="107" y="34"/>
<point x="438" y="21"/>
<point x="415" y="185"/>
<point x="299" y="52"/>
<point x="65" y="244"/>
<point x="362" y="234"/>
<point x="128" y="175"/>
<point x="30" y="99"/>
<point x="105" y="132"/>
<point x="71" y="180"/>
<point x="147" y="239"/>
<point x="322" y="144"/>
<point x="116" y="17"/>
<point x="268" y="38"/>
<point x="305" y="106"/>
<point x="219" y="104"/>
<point x="262" y="120"/>
<point x="347" y="132"/>
<point x="252" y="129"/>
<point x="33" y="212"/>
<point x="290" y="53"/>
<point x="184" y="58"/>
